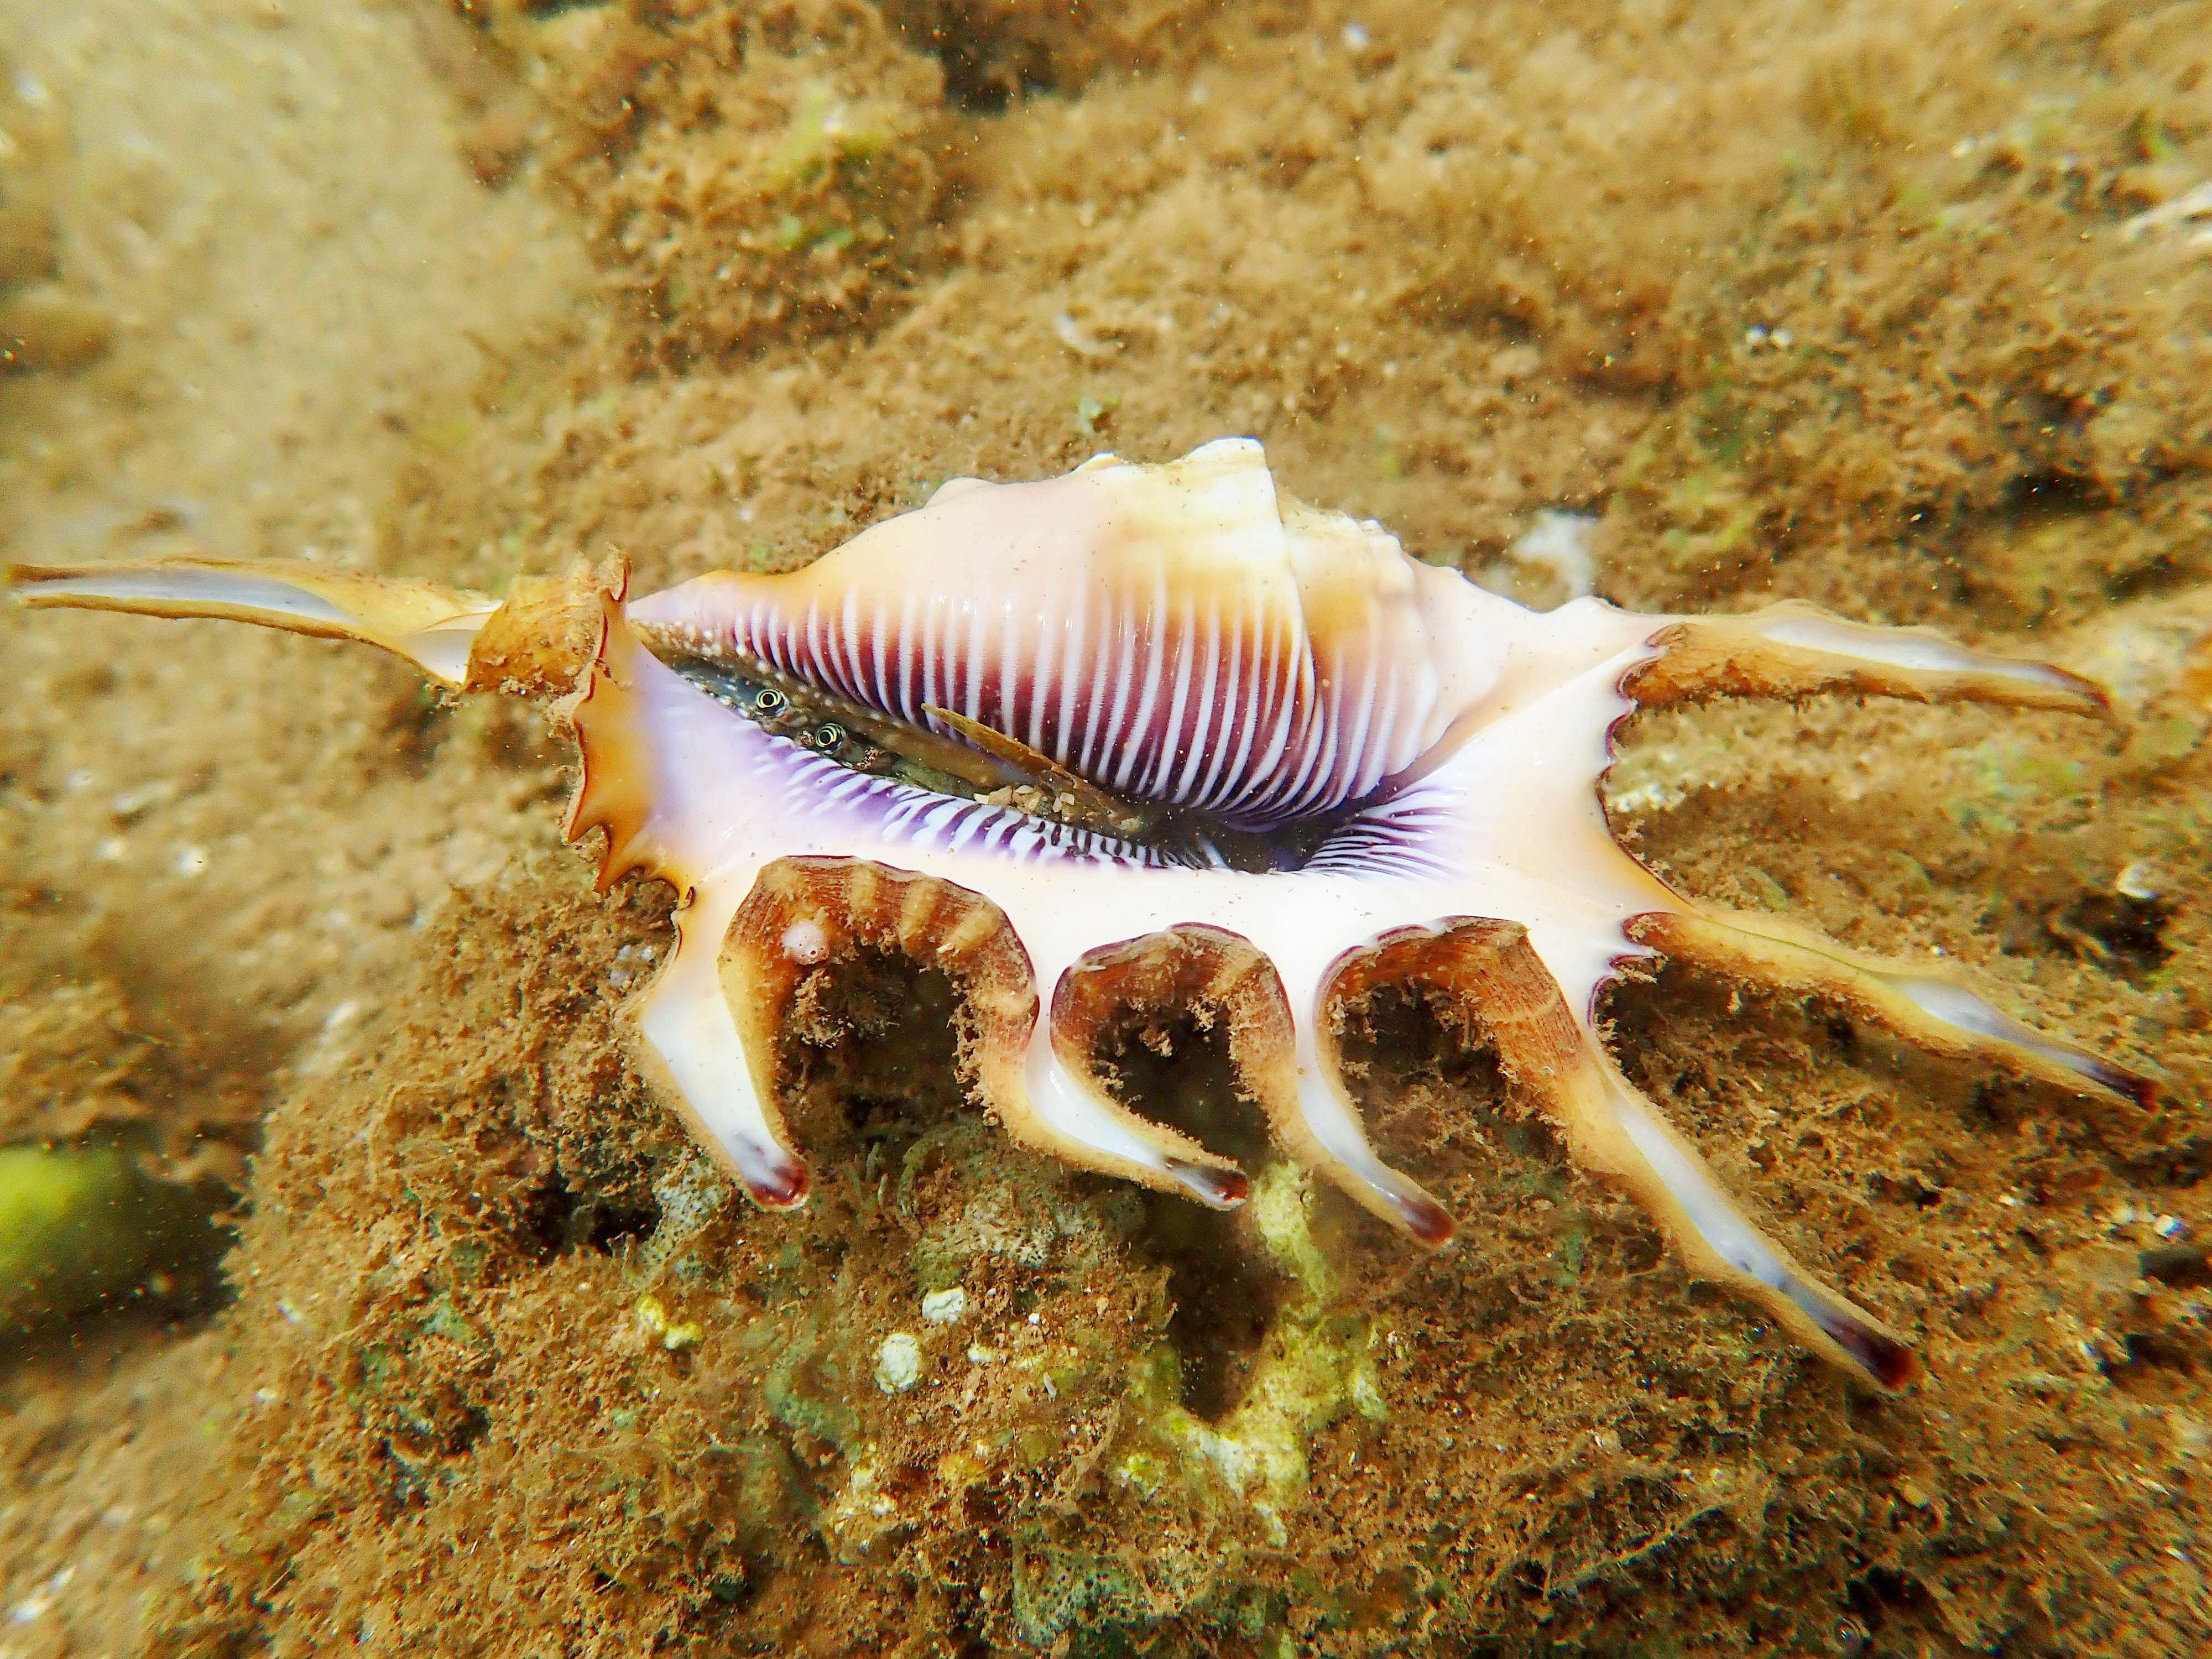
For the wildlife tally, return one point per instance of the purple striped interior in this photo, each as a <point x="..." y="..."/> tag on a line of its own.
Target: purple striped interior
<point x="1404" y="835"/>
<point x="1223" y="714"/>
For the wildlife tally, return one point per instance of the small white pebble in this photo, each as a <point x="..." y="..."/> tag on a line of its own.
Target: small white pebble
<point x="33" y="1606"/>
<point x="114" y="849"/>
<point x="1367" y="1397"/>
<point x="805" y="941"/>
<point x="1557" y="543"/>
<point x="191" y="860"/>
<point x="1355" y="38"/>
<point x="898" y="1363"/>
<point x="134" y="804"/>
<point x="1657" y="796"/>
<point x="1071" y="334"/>
<point x="2139" y="881"/>
<point x="946" y="1307"/>
<point x="1754" y="337"/>
<point x="2190" y="208"/>
<point x="1782" y="339"/>
<point x="2169" y="1226"/>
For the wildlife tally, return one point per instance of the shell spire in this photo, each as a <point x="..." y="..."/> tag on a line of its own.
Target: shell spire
<point x="1175" y="633"/>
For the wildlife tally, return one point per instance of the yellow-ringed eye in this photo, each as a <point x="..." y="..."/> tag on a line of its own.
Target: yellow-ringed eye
<point x="769" y="701"/>
<point x="829" y="737"/>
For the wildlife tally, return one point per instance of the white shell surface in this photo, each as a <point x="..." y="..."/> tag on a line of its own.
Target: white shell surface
<point x="1176" y="633"/>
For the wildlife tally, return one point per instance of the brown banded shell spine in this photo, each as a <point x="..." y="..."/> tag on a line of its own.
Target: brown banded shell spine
<point x="806" y="914"/>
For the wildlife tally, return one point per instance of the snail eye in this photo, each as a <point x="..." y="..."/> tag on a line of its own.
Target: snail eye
<point x="769" y="701"/>
<point x="828" y="736"/>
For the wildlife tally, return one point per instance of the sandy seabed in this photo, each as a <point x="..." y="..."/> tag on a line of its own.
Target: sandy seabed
<point x="1900" y="308"/>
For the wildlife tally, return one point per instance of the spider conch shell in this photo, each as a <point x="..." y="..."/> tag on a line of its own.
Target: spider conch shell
<point x="1411" y="764"/>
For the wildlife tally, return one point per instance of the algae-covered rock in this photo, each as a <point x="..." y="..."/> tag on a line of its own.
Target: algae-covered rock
<point x="755" y="173"/>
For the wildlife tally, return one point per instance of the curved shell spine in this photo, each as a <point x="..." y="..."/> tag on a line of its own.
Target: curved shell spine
<point x="1175" y="633"/>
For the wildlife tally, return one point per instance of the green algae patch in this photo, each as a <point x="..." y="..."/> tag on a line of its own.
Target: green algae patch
<point x="806" y="1390"/>
<point x="81" y="1227"/>
<point x="1315" y="1366"/>
<point x="1058" y="1591"/>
